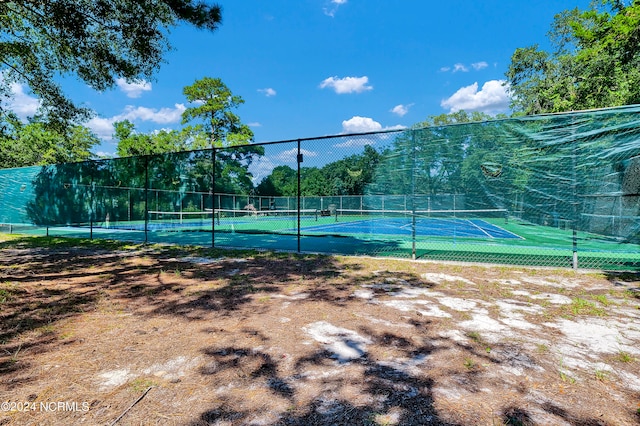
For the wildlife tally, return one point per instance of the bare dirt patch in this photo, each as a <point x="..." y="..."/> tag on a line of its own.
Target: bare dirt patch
<point x="94" y="334"/>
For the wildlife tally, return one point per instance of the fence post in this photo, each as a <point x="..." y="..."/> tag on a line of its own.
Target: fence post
<point x="574" y="184"/>
<point x="413" y="194"/>
<point x="299" y="160"/>
<point x="93" y="200"/>
<point x="213" y="197"/>
<point x="146" y="198"/>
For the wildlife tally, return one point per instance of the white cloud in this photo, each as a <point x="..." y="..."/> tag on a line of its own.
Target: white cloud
<point x="21" y="103"/>
<point x="135" y="89"/>
<point x="261" y="168"/>
<point x="105" y="154"/>
<point x="268" y="91"/>
<point x="355" y="142"/>
<point x="460" y="67"/>
<point x="396" y="127"/>
<point x="103" y="127"/>
<point x="254" y="124"/>
<point x="479" y="65"/>
<point x="493" y="97"/>
<point x="401" y="110"/>
<point x="333" y="6"/>
<point x="359" y="141"/>
<point x="160" y="116"/>
<point x="347" y="84"/>
<point x="290" y="156"/>
<point x="359" y="124"/>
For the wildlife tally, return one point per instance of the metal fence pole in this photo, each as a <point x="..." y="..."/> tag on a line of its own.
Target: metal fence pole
<point x="91" y="202"/>
<point x="146" y="198"/>
<point x="213" y="197"/>
<point x="299" y="160"/>
<point x="574" y="184"/>
<point x="413" y="194"/>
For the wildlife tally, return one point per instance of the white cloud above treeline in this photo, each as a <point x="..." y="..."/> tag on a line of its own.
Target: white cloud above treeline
<point x="492" y="98"/>
<point x="21" y="103"/>
<point x="25" y="106"/>
<point x="134" y="89"/>
<point x="359" y="124"/>
<point x="103" y="127"/>
<point x="347" y="84"/>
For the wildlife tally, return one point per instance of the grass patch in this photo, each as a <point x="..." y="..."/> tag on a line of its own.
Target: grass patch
<point x="580" y="306"/>
<point x="5" y="295"/>
<point x="566" y="378"/>
<point x="141" y="384"/>
<point x="475" y="336"/>
<point x="542" y="348"/>
<point x="625" y="357"/>
<point x="469" y="364"/>
<point x="602" y="299"/>
<point x="601" y="375"/>
<point x="47" y="329"/>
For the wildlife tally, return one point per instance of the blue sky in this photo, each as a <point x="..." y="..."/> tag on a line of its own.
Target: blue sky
<point x="310" y="68"/>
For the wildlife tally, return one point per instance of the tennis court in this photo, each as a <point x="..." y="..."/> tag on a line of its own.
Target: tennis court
<point x="451" y="223"/>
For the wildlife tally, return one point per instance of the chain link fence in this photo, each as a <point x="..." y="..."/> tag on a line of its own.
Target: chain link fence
<point x="552" y="190"/>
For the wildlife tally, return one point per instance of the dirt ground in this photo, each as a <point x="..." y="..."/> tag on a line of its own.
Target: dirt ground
<point x="107" y="333"/>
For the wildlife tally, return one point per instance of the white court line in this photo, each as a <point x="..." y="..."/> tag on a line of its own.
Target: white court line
<point x="476" y="226"/>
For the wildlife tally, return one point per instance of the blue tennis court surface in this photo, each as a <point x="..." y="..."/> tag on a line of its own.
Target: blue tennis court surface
<point x="471" y="228"/>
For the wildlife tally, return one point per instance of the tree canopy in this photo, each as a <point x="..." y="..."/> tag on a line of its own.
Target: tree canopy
<point x="214" y="104"/>
<point x="132" y="143"/>
<point x="37" y="144"/>
<point x="95" y="41"/>
<point x="217" y="126"/>
<point x="595" y="62"/>
<point x="347" y="176"/>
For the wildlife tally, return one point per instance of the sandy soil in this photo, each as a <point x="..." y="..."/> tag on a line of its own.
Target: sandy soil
<point x="103" y="334"/>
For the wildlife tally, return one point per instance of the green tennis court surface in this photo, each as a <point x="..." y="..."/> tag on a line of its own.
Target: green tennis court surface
<point x="450" y="223"/>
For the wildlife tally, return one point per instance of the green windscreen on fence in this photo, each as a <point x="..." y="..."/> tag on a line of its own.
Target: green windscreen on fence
<point x="560" y="190"/>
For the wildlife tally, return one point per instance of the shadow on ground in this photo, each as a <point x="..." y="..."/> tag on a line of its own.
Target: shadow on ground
<point x="88" y="273"/>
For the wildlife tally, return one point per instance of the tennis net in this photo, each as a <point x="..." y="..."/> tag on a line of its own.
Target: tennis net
<point x="184" y="220"/>
<point x="450" y="215"/>
<point x="263" y="219"/>
<point x="224" y="216"/>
